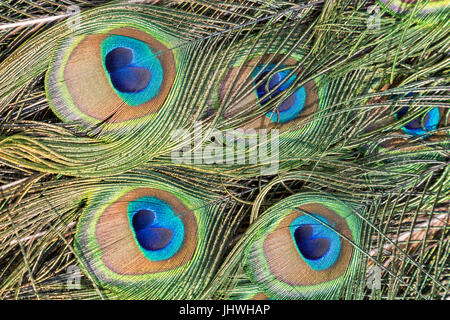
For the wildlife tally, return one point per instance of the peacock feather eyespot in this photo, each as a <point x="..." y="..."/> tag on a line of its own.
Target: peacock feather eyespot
<point x="158" y="231"/>
<point x="319" y="245"/>
<point x="290" y="108"/>
<point x="119" y="76"/>
<point x="307" y="250"/>
<point x="135" y="72"/>
<point x="420" y="125"/>
<point x="138" y="238"/>
<point x="417" y="123"/>
<point x="271" y="75"/>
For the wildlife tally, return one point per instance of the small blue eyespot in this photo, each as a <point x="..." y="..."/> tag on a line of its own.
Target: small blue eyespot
<point x="149" y="237"/>
<point x="291" y="107"/>
<point x="158" y="231"/>
<point x="414" y="127"/>
<point x="318" y="244"/>
<point x="134" y="71"/>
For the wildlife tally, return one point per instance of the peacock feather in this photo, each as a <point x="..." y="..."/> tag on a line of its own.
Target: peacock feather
<point x="229" y="149"/>
<point x="307" y="251"/>
<point x="141" y="240"/>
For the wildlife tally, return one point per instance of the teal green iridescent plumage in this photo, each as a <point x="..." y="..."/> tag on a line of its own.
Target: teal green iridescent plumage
<point x="229" y="149"/>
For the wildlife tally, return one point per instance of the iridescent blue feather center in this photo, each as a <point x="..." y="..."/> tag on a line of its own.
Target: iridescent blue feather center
<point x="132" y="68"/>
<point x="318" y="243"/>
<point x="291" y="107"/>
<point x="157" y="230"/>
